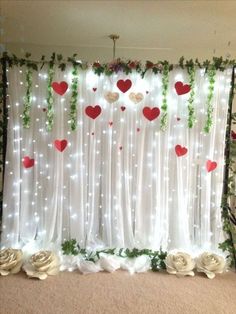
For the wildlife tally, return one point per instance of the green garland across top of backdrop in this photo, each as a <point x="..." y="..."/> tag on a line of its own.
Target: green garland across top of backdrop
<point x="163" y="67"/>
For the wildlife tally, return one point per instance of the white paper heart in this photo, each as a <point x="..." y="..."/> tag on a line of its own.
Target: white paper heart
<point x="111" y="97"/>
<point x="136" y="98"/>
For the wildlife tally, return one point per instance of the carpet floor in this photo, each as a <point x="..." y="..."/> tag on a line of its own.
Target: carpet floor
<point x="119" y="292"/>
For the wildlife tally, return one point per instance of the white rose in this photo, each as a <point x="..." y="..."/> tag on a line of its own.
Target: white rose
<point x="180" y="264"/>
<point x="42" y="264"/>
<point x="10" y="261"/>
<point x="210" y="264"/>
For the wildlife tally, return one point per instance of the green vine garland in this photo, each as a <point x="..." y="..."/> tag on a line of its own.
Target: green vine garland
<point x="70" y="247"/>
<point x="50" y="109"/>
<point x="211" y="72"/>
<point x="165" y="82"/>
<point x="116" y="65"/>
<point x="27" y="99"/>
<point x="74" y="96"/>
<point x="191" y="110"/>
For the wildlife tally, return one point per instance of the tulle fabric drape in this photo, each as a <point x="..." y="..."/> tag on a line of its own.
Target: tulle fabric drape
<point x="119" y="182"/>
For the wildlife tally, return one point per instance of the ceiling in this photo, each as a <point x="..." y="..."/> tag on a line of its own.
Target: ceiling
<point x="149" y="30"/>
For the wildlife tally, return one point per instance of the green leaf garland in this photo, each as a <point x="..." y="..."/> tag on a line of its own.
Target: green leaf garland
<point x="211" y="73"/>
<point x="165" y="81"/>
<point x="74" y="96"/>
<point x="191" y="110"/>
<point x="70" y="247"/>
<point x="27" y="99"/>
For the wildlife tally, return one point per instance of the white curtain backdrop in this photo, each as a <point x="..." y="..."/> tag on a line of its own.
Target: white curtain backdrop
<point x="119" y="182"/>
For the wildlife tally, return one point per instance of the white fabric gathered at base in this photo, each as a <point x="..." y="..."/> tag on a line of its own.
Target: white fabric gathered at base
<point x="118" y="185"/>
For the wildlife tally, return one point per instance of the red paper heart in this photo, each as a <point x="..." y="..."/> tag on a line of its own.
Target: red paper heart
<point x="182" y="88"/>
<point x="120" y="147"/>
<point x="151" y="113"/>
<point x="94" y="89"/>
<point x="60" y="145"/>
<point x="210" y="165"/>
<point x="110" y="123"/>
<point x="28" y="162"/>
<point x="60" y="88"/>
<point x="93" y="112"/>
<point x="92" y="133"/>
<point x="124" y="86"/>
<point x="123" y="108"/>
<point x="180" y="150"/>
<point x="233" y="135"/>
<point x="138" y="129"/>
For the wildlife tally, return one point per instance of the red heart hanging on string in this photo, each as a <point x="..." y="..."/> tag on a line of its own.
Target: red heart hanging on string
<point x="233" y="135"/>
<point x="178" y="119"/>
<point x="180" y="150"/>
<point x="210" y="165"/>
<point x="60" y="88"/>
<point x="123" y="108"/>
<point x="182" y="88"/>
<point x="94" y="89"/>
<point x="124" y="86"/>
<point x="151" y="113"/>
<point x="138" y="129"/>
<point x="28" y="162"/>
<point x="110" y="123"/>
<point x="93" y="112"/>
<point x="120" y="148"/>
<point x="60" y="145"/>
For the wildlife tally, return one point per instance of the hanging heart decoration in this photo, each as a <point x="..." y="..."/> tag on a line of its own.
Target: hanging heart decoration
<point x="94" y="89"/>
<point x="60" y="88"/>
<point x="111" y="97"/>
<point x="151" y="113"/>
<point x="28" y="162"/>
<point x="93" y="112"/>
<point x="211" y="165"/>
<point x="60" y="145"/>
<point x="233" y="135"/>
<point x="136" y="98"/>
<point x="124" y="86"/>
<point x="110" y="123"/>
<point x="123" y="108"/>
<point x="180" y="150"/>
<point x="182" y="88"/>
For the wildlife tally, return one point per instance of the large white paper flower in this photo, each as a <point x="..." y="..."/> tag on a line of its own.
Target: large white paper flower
<point x="10" y="261"/>
<point x="42" y="264"/>
<point x="180" y="264"/>
<point x="210" y="264"/>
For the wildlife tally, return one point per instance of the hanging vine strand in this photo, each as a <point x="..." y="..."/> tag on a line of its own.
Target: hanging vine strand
<point x="211" y="72"/>
<point x="165" y="81"/>
<point x="191" y="110"/>
<point x="74" y="96"/>
<point x="50" y="109"/>
<point x="27" y="99"/>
